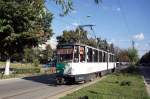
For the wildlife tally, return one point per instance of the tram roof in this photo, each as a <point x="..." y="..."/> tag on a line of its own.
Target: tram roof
<point x="79" y="44"/>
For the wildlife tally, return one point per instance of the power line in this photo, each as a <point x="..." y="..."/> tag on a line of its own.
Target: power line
<point x="123" y="16"/>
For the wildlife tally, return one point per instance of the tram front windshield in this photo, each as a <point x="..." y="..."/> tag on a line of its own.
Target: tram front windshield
<point x="65" y="53"/>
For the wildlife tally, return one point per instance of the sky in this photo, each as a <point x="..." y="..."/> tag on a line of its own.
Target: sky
<point x="117" y="21"/>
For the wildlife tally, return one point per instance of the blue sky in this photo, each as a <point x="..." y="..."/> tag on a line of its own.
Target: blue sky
<point x="118" y="21"/>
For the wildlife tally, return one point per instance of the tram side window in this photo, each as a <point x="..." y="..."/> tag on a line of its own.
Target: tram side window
<point x="110" y="59"/>
<point x="76" y="54"/>
<point x="104" y="57"/>
<point x="113" y="58"/>
<point x="95" y="54"/>
<point x="82" y="54"/>
<point x="89" y="55"/>
<point x="100" y="56"/>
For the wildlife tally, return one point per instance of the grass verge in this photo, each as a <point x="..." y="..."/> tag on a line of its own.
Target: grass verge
<point x="127" y="84"/>
<point x="18" y="65"/>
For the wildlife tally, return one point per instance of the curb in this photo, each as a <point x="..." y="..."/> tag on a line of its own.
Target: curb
<point x="21" y="77"/>
<point x="10" y="79"/>
<point x="147" y="86"/>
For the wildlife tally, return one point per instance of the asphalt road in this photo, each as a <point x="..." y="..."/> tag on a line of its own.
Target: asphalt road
<point x="146" y="74"/>
<point x="39" y="87"/>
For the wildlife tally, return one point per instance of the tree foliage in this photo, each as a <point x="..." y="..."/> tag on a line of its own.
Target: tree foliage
<point x="23" y="23"/>
<point x="123" y="56"/>
<point x="46" y="55"/>
<point x="43" y="56"/>
<point x="67" y="5"/>
<point x="133" y="55"/>
<point x="73" y="36"/>
<point x="145" y="59"/>
<point x="28" y="57"/>
<point x="81" y="36"/>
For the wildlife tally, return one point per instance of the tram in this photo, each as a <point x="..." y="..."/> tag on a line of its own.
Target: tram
<point x="79" y="62"/>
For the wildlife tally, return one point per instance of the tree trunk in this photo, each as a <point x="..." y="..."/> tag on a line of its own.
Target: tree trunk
<point x="7" y="67"/>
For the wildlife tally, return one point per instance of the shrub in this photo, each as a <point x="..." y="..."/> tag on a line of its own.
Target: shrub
<point x="130" y="69"/>
<point x="116" y="81"/>
<point x="26" y="70"/>
<point x="36" y="62"/>
<point x="125" y="83"/>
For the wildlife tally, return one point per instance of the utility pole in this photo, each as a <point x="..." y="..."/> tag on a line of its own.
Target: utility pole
<point x="133" y="44"/>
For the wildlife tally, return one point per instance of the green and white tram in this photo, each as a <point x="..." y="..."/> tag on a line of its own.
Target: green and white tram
<point x="79" y="62"/>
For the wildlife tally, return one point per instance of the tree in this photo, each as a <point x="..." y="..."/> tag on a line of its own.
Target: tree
<point x="23" y="23"/>
<point x="73" y="36"/>
<point x="67" y="5"/>
<point x="145" y="59"/>
<point x="133" y="55"/>
<point x="46" y="55"/>
<point x="26" y="23"/>
<point x="123" y="56"/>
<point x="91" y="42"/>
<point x="28" y="57"/>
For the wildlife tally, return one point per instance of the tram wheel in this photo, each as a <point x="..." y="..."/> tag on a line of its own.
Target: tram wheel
<point x="99" y="74"/>
<point x="60" y="81"/>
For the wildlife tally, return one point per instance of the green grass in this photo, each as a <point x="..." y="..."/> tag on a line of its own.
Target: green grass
<point x="23" y="70"/>
<point x="17" y="65"/>
<point x="111" y="87"/>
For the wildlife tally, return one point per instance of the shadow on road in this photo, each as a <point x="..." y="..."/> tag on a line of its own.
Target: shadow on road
<point x="48" y="79"/>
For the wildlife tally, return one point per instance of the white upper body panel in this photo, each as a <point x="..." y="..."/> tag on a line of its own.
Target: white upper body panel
<point x="86" y="68"/>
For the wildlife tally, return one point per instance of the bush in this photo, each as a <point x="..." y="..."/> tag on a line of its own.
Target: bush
<point x="26" y="70"/>
<point x="130" y="69"/>
<point x="125" y="83"/>
<point x="36" y="62"/>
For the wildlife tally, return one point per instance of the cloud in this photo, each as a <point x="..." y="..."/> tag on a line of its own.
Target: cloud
<point x="74" y="11"/>
<point x="72" y="26"/>
<point x="75" y="24"/>
<point x="137" y="45"/>
<point x="112" y="41"/>
<point x="118" y="9"/>
<point x="111" y="8"/>
<point x="139" y="36"/>
<point x="67" y="28"/>
<point x="109" y="42"/>
<point x="52" y="42"/>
